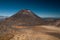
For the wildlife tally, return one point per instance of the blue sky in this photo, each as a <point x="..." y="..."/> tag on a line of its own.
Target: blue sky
<point x="43" y="8"/>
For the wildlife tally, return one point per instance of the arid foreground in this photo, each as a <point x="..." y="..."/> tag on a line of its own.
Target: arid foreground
<point x="33" y="33"/>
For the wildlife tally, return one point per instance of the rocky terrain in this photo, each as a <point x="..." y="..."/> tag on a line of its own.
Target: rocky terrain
<point x="26" y="25"/>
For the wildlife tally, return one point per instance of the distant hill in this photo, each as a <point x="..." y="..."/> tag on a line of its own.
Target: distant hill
<point x="2" y="18"/>
<point x="52" y="21"/>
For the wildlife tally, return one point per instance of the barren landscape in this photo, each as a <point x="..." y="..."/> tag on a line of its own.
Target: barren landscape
<point x="25" y="25"/>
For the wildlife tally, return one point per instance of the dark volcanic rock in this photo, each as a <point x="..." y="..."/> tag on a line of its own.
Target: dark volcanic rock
<point x="24" y="18"/>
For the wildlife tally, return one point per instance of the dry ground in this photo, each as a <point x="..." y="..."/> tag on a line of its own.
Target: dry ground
<point x="42" y="32"/>
<point x="37" y="33"/>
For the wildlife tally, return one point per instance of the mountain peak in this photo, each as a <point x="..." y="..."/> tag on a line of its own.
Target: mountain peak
<point x="26" y="11"/>
<point x="23" y="18"/>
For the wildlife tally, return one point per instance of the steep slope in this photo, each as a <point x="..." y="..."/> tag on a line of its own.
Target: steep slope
<point x="23" y="18"/>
